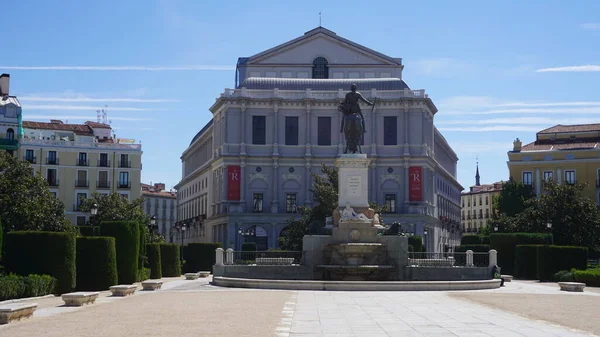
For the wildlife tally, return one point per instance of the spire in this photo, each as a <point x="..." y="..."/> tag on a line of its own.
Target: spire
<point x="477" y="183"/>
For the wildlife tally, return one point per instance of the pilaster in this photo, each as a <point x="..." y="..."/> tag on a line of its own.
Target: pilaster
<point x="276" y="128"/>
<point x="243" y="129"/>
<point x="275" y="181"/>
<point x="307" y="182"/>
<point x="406" y="121"/>
<point x="308" y="128"/>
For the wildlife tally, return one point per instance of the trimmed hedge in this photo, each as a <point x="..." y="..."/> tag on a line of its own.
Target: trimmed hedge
<point x="49" y="253"/>
<point x="506" y="244"/>
<point x="170" y="259"/>
<point x="1" y="236"/>
<point x="247" y="247"/>
<point x="526" y="261"/>
<point x="144" y="274"/>
<point x="590" y="277"/>
<point x="470" y="240"/>
<point x="126" y="234"/>
<point x="478" y="248"/>
<point x="201" y="256"/>
<point x="485" y="239"/>
<point x="552" y="259"/>
<point x="153" y="252"/>
<point x="89" y="230"/>
<point x="14" y="286"/>
<point x="96" y="263"/>
<point x="142" y="258"/>
<point x="417" y="243"/>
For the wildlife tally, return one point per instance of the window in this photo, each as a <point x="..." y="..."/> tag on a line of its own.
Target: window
<point x="528" y="178"/>
<point x="390" y="128"/>
<point x="80" y="199"/>
<point x="487" y="213"/>
<point x="51" y="177"/>
<point x="390" y="203"/>
<point x="487" y="201"/>
<point x="480" y="201"/>
<point x="80" y="221"/>
<point x="10" y="134"/>
<point x="570" y="177"/>
<point x="123" y="179"/>
<point x="257" y="200"/>
<point x="103" y="162"/>
<point x="290" y="203"/>
<point x="103" y="179"/>
<point x="291" y="131"/>
<point x="29" y="156"/>
<point x="124" y="161"/>
<point x="474" y="201"/>
<point x="462" y="216"/>
<point x="324" y="131"/>
<point x="320" y="68"/>
<point x="82" y="159"/>
<point x="54" y="194"/>
<point x="469" y="202"/>
<point x="81" y="180"/>
<point x="259" y="129"/>
<point x="52" y="160"/>
<point x="548" y="175"/>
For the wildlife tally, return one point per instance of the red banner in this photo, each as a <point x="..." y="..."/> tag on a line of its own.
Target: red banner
<point x="415" y="183"/>
<point x="233" y="182"/>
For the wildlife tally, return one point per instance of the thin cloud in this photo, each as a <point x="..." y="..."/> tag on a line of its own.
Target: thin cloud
<point x="549" y="104"/>
<point x="584" y="68"/>
<point x="581" y="110"/>
<point x="120" y="68"/>
<point x="478" y="102"/>
<point x="480" y="147"/>
<point x="520" y="120"/>
<point x="490" y="128"/>
<point x="86" y="118"/>
<point x="84" y="99"/>
<point x="78" y="107"/>
<point x="590" y="26"/>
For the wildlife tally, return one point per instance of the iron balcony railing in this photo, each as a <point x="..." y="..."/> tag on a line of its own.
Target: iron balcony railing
<point x="82" y="183"/>
<point x="103" y="163"/>
<point x="264" y="258"/>
<point x="32" y="160"/>
<point x="123" y="184"/>
<point x="52" y="161"/>
<point x="125" y="163"/>
<point x="83" y="162"/>
<point x="103" y="184"/>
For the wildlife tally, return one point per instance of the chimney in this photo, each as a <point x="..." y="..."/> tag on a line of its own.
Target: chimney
<point x="517" y="145"/>
<point x="4" y="84"/>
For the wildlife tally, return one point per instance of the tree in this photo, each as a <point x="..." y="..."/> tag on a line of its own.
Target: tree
<point x="25" y="200"/>
<point x="512" y="198"/>
<point x="114" y="207"/>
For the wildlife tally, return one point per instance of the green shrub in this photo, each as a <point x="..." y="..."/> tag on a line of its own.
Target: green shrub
<point x="248" y="247"/>
<point x="506" y="244"/>
<point x="89" y="230"/>
<point x="14" y="286"/>
<point x="411" y="251"/>
<point x="478" y="248"/>
<point x="470" y="239"/>
<point x="526" y="262"/>
<point x="142" y="258"/>
<point x="49" y="253"/>
<point x="201" y="256"/>
<point x="96" y="263"/>
<point x="485" y="239"/>
<point x="170" y="259"/>
<point x="1" y="236"/>
<point x="153" y="252"/>
<point x="126" y="234"/>
<point x="552" y="259"/>
<point x="417" y="243"/>
<point x="563" y="276"/>
<point x="143" y="274"/>
<point x="591" y="277"/>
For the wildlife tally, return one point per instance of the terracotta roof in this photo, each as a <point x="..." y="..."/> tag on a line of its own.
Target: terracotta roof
<point x="497" y="186"/>
<point x="95" y="125"/>
<point x="571" y="128"/>
<point x="564" y="146"/>
<point x="78" y="129"/>
<point x="149" y="190"/>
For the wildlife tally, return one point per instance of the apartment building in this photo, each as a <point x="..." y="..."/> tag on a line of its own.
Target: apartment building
<point x="163" y="205"/>
<point x="477" y="204"/>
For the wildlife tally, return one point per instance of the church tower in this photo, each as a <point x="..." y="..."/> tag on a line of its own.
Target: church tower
<point x="477" y="183"/>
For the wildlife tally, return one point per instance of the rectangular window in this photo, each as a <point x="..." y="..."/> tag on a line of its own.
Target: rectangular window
<point x="291" y="131"/>
<point x="123" y="179"/>
<point x="548" y="175"/>
<point x="487" y="201"/>
<point x="570" y="177"/>
<point x="474" y="201"/>
<point x="390" y="203"/>
<point x="103" y="179"/>
<point x="324" y="131"/>
<point x="103" y="162"/>
<point x="390" y="129"/>
<point x="81" y="179"/>
<point x="290" y="203"/>
<point x="51" y="177"/>
<point x="80" y="199"/>
<point x="52" y="160"/>
<point x="259" y="129"/>
<point x="82" y="159"/>
<point x="124" y="161"/>
<point x="487" y="213"/>
<point x="527" y="178"/>
<point x="29" y="156"/>
<point x="257" y="200"/>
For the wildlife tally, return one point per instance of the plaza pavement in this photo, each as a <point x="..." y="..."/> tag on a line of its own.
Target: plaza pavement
<point x="195" y="308"/>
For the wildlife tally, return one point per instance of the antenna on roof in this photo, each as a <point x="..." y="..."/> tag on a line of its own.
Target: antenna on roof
<point x="319" y="18"/>
<point x="104" y="114"/>
<point x="98" y="116"/>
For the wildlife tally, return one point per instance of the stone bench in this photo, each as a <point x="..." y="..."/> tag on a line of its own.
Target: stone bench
<point x="278" y="261"/>
<point x="80" y="298"/>
<point x="506" y="278"/>
<point x="16" y="311"/>
<point x="152" y="284"/>
<point x="123" y="289"/>
<point x="571" y="286"/>
<point x="191" y="276"/>
<point x="203" y="273"/>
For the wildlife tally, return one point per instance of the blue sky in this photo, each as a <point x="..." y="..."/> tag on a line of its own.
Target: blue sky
<point x="495" y="71"/>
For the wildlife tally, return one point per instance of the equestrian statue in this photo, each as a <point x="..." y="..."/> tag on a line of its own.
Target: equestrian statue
<point x="353" y="121"/>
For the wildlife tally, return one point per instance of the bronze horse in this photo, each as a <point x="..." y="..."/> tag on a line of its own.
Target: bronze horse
<point x="353" y="121"/>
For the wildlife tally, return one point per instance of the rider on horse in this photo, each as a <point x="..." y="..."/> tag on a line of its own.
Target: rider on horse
<point x="350" y="107"/>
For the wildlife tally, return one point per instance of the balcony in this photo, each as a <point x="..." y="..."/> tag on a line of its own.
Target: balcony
<point x="103" y="163"/>
<point x="31" y="160"/>
<point x="321" y="94"/>
<point x="83" y="162"/>
<point x="125" y="164"/>
<point x="103" y="184"/>
<point x="52" y="182"/>
<point x="51" y="161"/>
<point x="73" y="144"/>
<point x="82" y="183"/>
<point x="571" y="182"/>
<point x="124" y="184"/>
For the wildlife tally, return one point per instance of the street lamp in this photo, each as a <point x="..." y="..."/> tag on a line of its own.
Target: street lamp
<point x="495" y="228"/>
<point x="549" y="226"/>
<point x="152" y="226"/>
<point x="425" y="239"/>
<point x="181" y="228"/>
<point x="94" y="209"/>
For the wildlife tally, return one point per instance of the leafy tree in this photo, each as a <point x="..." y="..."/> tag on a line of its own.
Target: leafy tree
<point x="114" y="207"/>
<point x="512" y="198"/>
<point x="25" y="200"/>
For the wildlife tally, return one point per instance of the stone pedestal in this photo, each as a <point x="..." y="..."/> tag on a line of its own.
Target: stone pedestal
<point x="353" y="185"/>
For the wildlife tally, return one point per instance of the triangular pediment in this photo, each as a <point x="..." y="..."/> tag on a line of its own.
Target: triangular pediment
<point x="321" y="42"/>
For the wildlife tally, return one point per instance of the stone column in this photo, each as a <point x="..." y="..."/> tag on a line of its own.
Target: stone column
<point x="219" y="256"/>
<point x="224" y="126"/>
<point x="307" y="181"/>
<point x="275" y="182"/>
<point x="275" y="129"/>
<point x="229" y="259"/>
<point x="243" y="129"/>
<point x="493" y="257"/>
<point x="308" y="122"/>
<point x="406" y="120"/>
<point x="469" y="258"/>
<point x="406" y="180"/>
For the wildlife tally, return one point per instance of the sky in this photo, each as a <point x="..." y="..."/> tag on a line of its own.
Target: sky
<point x="495" y="70"/>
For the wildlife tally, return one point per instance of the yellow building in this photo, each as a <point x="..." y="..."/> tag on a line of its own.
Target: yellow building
<point x="563" y="153"/>
<point x="476" y="204"/>
<point x="80" y="159"/>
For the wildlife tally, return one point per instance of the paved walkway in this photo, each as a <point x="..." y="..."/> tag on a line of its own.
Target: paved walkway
<point x="195" y="308"/>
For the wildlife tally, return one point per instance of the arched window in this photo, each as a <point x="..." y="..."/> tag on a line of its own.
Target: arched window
<point x="10" y="134"/>
<point x="320" y="68"/>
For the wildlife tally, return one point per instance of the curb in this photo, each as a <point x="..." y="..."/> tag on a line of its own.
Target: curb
<point x="17" y="300"/>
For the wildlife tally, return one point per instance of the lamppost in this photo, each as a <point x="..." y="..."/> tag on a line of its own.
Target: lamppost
<point x="151" y="227"/>
<point x="549" y="226"/>
<point x="243" y="233"/>
<point x="181" y="228"/>
<point x="495" y="228"/>
<point x="93" y="212"/>
<point x="425" y="239"/>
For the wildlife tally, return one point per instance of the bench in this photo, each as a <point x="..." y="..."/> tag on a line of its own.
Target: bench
<point x="571" y="286"/>
<point x="204" y="273"/>
<point x="152" y="284"/>
<point x="79" y="298"/>
<point x="16" y="311"/>
<point x="123" y="289"/>
<point x="191" y="276"/>
<point x="506" y="278"/>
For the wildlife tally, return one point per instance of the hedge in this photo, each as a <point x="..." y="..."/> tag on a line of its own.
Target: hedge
<point x="126" y="234"/>
<point x="470" y="240"/>
<point x="170" y="259"/>
<point x="96" y="263"/>
<point x="551" y="259"/>
<point x="89" y="230"/>
<point x="14" y="286"/>
<point x="201" y="256"/>
<point x="142" y="258"/>
<point x="485" y="239"/>
<point x="153" y="252"/>
<point x="526" y="262"/>
<point x="590" y="277"/>
<point x="1" y="235"/>
<point x="417" y="243"/>
<point x="476" y="248"/>
<point x="506" y="245"/>
<point x="143" y="274"/>
<point x="49" y="253"/>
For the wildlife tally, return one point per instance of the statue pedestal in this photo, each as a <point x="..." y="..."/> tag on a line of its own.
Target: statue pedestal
<point x="353" y="185"/>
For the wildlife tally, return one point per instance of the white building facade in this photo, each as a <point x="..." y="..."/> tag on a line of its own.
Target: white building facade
<point x="163" y="205"/>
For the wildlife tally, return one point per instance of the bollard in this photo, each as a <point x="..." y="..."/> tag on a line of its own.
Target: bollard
<point x="493" y="257"/>
<point x="229" y="257"/>
<point x="469" y="258"/>
<point x="219" y="257"/>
